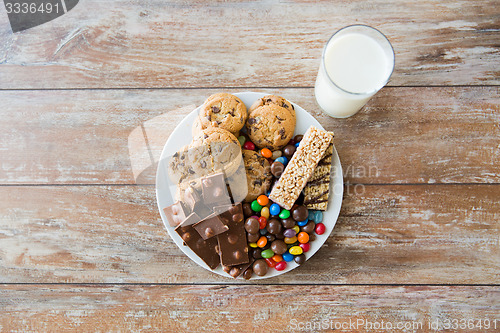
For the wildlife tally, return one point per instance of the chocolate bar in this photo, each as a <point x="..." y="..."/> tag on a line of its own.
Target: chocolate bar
<point x="175" y="214"/>
<point x="237" y="270"/>
<point x="214" y="190"/>
<point x="210" y="227"/>
<point x="230" y="213"/>
<point x="233" y="243"/>
<point x="300" y="168"/>
<point x="207" y="250"/>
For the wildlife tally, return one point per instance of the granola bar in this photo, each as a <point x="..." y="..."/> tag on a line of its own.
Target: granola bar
<point x="301" y="167"/>
<point x="317" y="190"/>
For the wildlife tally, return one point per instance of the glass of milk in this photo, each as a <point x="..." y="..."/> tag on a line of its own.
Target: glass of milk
<point x="357" y="61"/>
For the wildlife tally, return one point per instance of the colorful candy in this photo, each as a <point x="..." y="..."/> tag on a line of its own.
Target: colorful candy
<point x="296" y="228"/>
<point x="267" y="253"/>
<point x="287" y="256"/>
<point x="242" y="140"/>
<point x="289" y="233"/>
<point x="284" y="214"/>
<point x="276" y="154"/>
<point x="283" y="160"/>
<point x="262" y="222"/>
<point x="262" y="241"/>
<point x="290" y="240"/>
<point x="305" y="246"/>
<point x="265" y="212"/>
<point x="277" y="258"/>
<point x="320" y="228"/>
<point x="266" y="153"/>
<point x="302" y="223"/>
<point x="270" y="262"/>
<point x="280" y="266"/>
<point x="249" y="145"/>
<point x="295" y="250"/>
<point x="318" y="216"/>
<point x="275" y="209"/>
<point x="262" y="200"/>
<point x="255" y="206"/>
<point x="302" y="237"/>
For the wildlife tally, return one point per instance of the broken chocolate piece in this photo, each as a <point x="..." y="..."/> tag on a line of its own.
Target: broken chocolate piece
<point x="175" y="214"/>
<point x="214" y="190"/>
<point x="210" y="227"/>
<point x="233" y="245"/>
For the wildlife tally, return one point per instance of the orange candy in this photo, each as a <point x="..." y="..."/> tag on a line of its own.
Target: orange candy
<point x="262" y="241"/>
<point x="266" y="153"/>
<point x="277" y="257"/>
<point x="303" y="237"/>
<point x="262" y="200"/>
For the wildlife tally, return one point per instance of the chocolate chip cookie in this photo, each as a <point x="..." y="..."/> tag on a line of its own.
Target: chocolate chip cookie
<point x="225" y="111"/>
<point x="198" y="127"/>
<point x="190" y="163"/>
<point x="258" y="174"/>
<point x="224" y="148"/>
<point x="270" y="126"/>
<point x="273" y="99"/>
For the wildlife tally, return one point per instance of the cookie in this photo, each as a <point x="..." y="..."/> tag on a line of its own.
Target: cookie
<point x="258" y="174"/>
<point x="270" y="126"/>
<point x="273" y="99"/>
<point x="225" y="111"/>
<point x="225" y="149"/>
<point x="190" y="163"/>
<point x="198" y="127"/>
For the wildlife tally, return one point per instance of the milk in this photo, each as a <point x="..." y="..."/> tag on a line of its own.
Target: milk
<point x="354" y="67"/>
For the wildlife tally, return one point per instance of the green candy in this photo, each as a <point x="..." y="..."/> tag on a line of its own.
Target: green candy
<point x="267" y="253"/>
<point x="256" y="207"/>
<point x="284" y="214"/>
<point x="241" y="139"/>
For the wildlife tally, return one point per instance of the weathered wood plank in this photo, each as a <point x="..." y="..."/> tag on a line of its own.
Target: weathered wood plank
<point x="416" y="234"/>
<point x="404" y="135"/>
<point x="103" y="44"/>
<point x="276" y="308"/>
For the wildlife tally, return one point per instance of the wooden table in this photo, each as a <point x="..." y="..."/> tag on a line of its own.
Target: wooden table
<point x="82" y="246"/>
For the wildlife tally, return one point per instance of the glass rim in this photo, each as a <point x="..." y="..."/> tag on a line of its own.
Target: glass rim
<point x="393" y="58"/>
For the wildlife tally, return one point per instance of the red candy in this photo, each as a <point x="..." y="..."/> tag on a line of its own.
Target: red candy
<point x="262" y="222"/>
<point x="320" y="228"/>
<point x="271" y="262"/>
<point x="280" y="266"/>
<point x="305" y="247"/>
<point x="249" y="145"/>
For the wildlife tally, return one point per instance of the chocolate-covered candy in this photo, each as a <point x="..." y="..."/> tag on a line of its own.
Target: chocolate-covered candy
<point x="309" y="227"/>
<point x="312" y="237"/>
<point x="256" y="253"/>
<point x="248" y="273"/>
<point x="288" y="223"/>
<point x="274" y="226"/>
<point x="260" y="267"/>
<point x="252" y="225"/>
<point x="289" y="150"/>
<point x="247" y="210"/>
<point x="253" y="238"/>
<point x="280" y="236"/>
<point x="278" y="246"/>
<point x="270" y="237"/>
<point x="300" y="259"/>
<point x="298" y="138"/>
<point x="277" y="169"/>
<point x="300" y="213"/>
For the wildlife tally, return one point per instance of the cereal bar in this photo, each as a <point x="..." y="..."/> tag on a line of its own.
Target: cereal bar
<point x="301" y="167"/>
<point x="317" y="190"/>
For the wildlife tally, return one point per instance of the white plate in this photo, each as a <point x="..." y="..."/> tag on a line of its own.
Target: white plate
<point x="182" y="136"/>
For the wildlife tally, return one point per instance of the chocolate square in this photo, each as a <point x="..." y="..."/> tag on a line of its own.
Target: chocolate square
<point x="210" y="227"/>
<point x="207" y="250"/>
<point x="175" y="214"/>
<point x="214" y="190"/>
<point x="230" y="213"/>
<point x="233" y="244"/>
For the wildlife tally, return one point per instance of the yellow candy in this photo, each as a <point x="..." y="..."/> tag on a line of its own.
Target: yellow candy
<point x="295" y="250"/>
<point x="265" y="212"/>
<point x="297" y="229"/>
<point x="253" y="244"/>
<point x="290" y="240"/>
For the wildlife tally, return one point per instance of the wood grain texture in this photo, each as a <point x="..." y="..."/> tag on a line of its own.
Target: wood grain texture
<point x="404" y="234"/>
<point x="102" y="44"/>
<point x="404" y="135"/>
<point x="241" y="308"/>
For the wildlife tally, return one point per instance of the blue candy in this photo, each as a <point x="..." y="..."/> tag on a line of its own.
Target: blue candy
<point x="282" y="160"/>
<point x="311" y="215"/>
<point x="263" y="231"/>
<point x="318" y="216"/>
<point x="297" y="144"/>
<point x="274" y="209"/>
<point x="287" y="256"/>
<point x="302" y="223"/>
